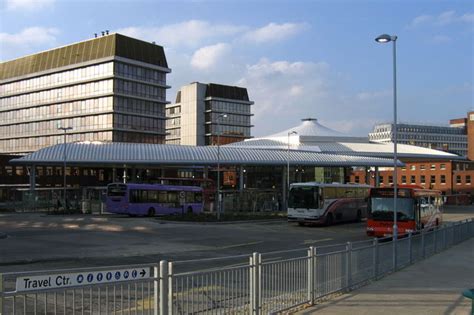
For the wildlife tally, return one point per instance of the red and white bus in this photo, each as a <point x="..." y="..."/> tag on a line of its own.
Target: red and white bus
<point x="317" y="203"/>
<point x="417" y="208"/>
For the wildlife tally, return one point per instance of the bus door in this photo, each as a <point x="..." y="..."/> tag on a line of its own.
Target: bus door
<point x="418" y="214"/>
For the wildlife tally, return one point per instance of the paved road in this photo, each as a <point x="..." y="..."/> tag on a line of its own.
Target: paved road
<point x="38" y="241"/>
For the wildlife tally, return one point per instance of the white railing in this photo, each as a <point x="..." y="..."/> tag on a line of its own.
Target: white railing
<point x="261" y="286"/>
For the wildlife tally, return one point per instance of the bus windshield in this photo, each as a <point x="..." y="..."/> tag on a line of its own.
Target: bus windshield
<point x="382" y="209"/>
<point x="303" y="197"/>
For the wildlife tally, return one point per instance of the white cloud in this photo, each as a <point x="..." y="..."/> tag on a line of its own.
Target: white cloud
<point x="29" y="39"/>
<point x="191" y="33"/>
<point x="208" y="57"/>
<point x="29" y="5"/>
<point x="274" y="32"/>
<point x="444" y="18"/>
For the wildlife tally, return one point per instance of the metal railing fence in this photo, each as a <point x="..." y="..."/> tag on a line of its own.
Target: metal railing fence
<point x="258" y="287"/>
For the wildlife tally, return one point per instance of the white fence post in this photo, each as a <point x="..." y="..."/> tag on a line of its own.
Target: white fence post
<point x="375" y="257"/>
<point x="255" y="283"/>
<point x="348" y="264"/>
<point x="311" y="272"/>
<point x="170" y="288"/>
<point x="156" y="290"/>
<point x="163" y="288"/>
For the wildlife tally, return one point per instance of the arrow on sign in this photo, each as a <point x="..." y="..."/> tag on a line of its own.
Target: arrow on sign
<point x="143" y="273"/>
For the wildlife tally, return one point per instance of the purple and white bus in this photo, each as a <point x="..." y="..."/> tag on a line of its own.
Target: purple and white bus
<point x="151" y="199"/>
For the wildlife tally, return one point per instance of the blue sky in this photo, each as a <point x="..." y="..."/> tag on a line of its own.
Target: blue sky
<point x="297" y="58"/>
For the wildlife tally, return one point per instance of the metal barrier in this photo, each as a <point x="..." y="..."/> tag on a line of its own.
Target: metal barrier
<point x="257" y="287"/>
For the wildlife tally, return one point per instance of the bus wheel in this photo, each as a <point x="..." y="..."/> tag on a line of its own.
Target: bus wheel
<point x="190" y="210"/>
<point x="151" y="212"/>
<point x="359" y="216"/>
<point x="329" y="219"/>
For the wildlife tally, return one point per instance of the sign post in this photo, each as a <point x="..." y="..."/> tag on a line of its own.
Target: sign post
<point x="182" y="201"/>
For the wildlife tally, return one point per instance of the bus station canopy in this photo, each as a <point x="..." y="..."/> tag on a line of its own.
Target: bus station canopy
<point x="119" y="154"/>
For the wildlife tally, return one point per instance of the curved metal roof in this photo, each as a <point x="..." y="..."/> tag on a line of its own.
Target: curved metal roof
<point x="162" y="154"/>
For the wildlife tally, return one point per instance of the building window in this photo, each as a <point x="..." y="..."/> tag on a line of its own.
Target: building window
<point x="433" y="166"/>
<point x="381" y="179"/>
<point x="357" y="179"/>
<point x="412" y="179"/>
<point x="404" y="168"/>
<point x="442" y="166"/>
<point x="458" y="179"/>
<point x="390" y="179"/>
<point x="412" y="167"/>
<point x="433" y="179"/>
<point x="422" y="167"/>
<point x="443" y="179"/>
<point x="468" y="179"/>
<point x="422" y="179"/>
<point x="404" y="179"/>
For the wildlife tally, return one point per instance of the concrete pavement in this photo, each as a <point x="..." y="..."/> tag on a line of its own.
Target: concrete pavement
<point x="433" y="286"/>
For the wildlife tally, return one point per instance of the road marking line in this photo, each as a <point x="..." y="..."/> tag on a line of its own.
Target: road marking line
<point x="239" y="245"/>
<point x="317" y="241"/>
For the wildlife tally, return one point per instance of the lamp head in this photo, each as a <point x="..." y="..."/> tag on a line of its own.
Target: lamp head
<point x="385" y="38"/>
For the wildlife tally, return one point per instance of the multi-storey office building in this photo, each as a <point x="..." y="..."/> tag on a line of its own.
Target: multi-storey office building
<point x="198" y="117"/>
<point x="110" y="88"/>
<point x="451" y="139"/>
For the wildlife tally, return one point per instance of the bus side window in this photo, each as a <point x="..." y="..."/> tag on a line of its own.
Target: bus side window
<point x="133" y="196"/>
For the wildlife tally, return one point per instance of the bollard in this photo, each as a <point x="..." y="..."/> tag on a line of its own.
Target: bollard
<point x="255" y="283"/>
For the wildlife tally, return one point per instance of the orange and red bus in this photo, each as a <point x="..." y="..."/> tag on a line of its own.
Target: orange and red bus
<point x="417" y="209"/>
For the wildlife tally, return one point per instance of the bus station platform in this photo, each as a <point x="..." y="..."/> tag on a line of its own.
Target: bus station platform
<point x="431" y="286"/>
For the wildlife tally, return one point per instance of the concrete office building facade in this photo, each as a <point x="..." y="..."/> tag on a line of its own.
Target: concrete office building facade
<point x="110" y="89"/>
<point x="446" y="138"/>
<point x="194" y="118"/>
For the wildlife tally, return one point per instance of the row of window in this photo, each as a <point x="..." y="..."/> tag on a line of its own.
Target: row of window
<point x="139" y="106"/>
<point x="173" y="122"/>
<point x="88" y="106"/>
<point x="58" y="95"/>
<point x="228" y="130"/>
<point x="51" y="126"/>
<point x="173" y="110"/>
<point x="420" y="137"/>
<point x="231" y="119"/>
<point x="136" y="137"/>
<point x="60" y="78"/>
<point x="423" y="167"/>
<point x="35" y="143"/>
<point x="419" y="129"/>
<point x="173" y="133"/>
<point x="139" y="123"/>
<point x="169" y="198"/>
<point x="140" y="73"/>
<point x="228" y="107"/>
<point x="423" y="178"/>
<point x="142" y="90"/>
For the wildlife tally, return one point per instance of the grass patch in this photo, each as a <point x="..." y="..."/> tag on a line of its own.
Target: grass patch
<point x="235" y="216"/>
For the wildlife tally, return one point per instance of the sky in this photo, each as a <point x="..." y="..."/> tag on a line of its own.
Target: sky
<point x="297" y="59"/>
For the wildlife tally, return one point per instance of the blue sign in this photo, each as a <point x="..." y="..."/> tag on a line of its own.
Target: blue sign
<point x="90" y="277"/>
<point x="125" y="274"/>
<point x="117" y="275"/>
<point x="134" y="273"/>
<point x="100" y="276"/>
<point x="108" y="276"/>
<point x="80" y="278"/>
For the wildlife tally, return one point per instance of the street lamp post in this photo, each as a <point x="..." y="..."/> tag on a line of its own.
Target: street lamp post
<point x="65" y="129"/>
<point x="218" y="120"/>
<point x="384" y="38"/>
<point x="288" y="167"/>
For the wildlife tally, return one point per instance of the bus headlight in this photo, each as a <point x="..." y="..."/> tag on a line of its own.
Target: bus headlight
<point x="409" y="231"/>
<point x="370" y="229"/>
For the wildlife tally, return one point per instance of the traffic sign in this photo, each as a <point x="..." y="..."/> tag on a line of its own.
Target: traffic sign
<point x="76" y="279"/>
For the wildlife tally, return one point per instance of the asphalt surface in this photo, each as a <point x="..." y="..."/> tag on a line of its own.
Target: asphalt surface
<point x="36" y="241"/>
